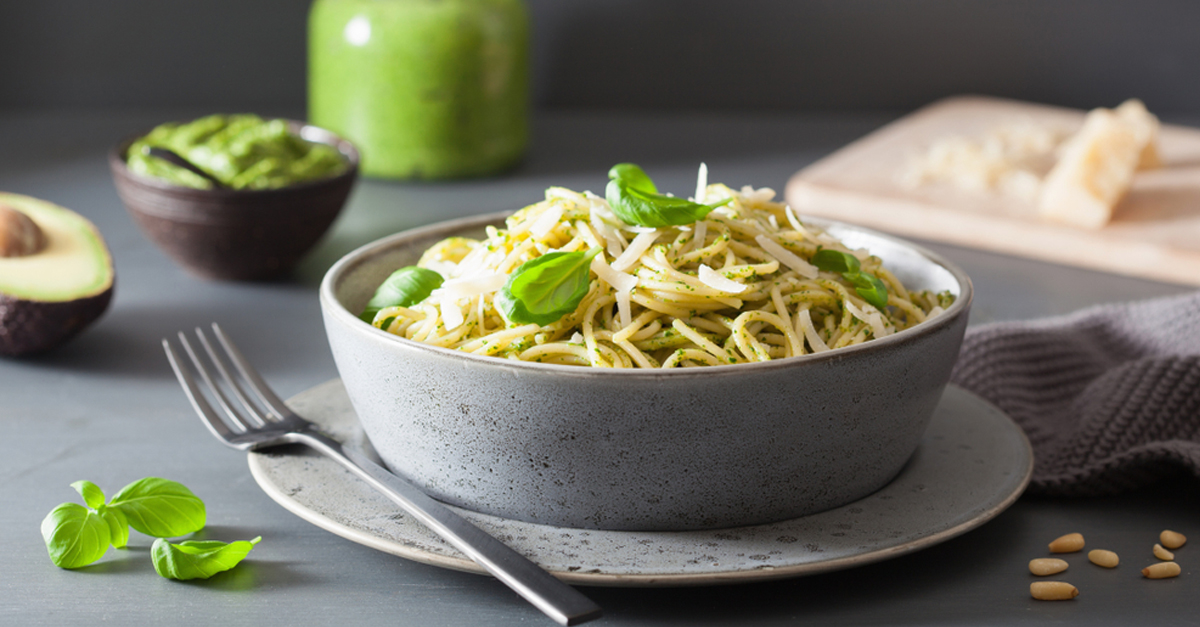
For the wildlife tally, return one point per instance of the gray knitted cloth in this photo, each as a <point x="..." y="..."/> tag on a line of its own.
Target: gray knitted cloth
<point x="1109" y="396"/>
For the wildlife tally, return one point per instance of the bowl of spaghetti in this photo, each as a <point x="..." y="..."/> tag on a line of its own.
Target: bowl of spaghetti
<point x="581" y="365"/>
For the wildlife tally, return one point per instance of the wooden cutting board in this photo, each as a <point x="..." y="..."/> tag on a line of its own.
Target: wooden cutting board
<point x="1155" y="231"/>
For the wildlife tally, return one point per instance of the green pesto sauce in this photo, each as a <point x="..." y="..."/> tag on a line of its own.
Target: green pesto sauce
<point x="425" y="89"/>
<point x="242" y="151"/>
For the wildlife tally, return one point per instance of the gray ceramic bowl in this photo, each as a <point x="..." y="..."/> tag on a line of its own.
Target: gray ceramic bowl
<point x="672" y="450"/>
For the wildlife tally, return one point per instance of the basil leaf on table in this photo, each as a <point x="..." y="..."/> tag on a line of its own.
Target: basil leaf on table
<point x="404" y="288"/>
<point x="867" y="285"/>
<point x="635" y="199"/>
<point x="545" y="289"/>
<point x="75" y="535"/>
<point x="92" y="495"/>
<point x="160" y="507"/>
<point x="198" y="559"/>
<point x="118" y="526"/>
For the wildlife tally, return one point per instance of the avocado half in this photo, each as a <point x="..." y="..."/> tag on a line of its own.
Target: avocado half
<point x="56" y="275"/>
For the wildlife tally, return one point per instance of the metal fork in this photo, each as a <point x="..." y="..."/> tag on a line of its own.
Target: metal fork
<point x="270" y="423"/>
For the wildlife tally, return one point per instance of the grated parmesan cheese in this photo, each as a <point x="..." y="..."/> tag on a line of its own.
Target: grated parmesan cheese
<point x="547" y="221"/>
<point x="622" y="285"/>
<point x="621" y="281"/>
<point x="467" y="287"/>
<point x="699" y="234"/>
<point x="717" y="281"/>
<point x="639" y="245"/>
<point x="787" y="257"/>
<point x="871" y="316"/>
<point x="452" y="315"/>
<point x="805" y="327"/>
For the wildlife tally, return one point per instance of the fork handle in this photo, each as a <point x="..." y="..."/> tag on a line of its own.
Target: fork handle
<point x="556" y="599"/>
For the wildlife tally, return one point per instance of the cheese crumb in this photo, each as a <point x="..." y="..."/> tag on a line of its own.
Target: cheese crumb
<point x="1008" y="159"/>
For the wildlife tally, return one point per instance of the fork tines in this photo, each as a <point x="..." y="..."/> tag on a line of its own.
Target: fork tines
<point x="223" y="384"/>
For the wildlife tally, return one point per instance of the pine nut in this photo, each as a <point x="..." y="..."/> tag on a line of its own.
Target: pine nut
<point x="1046" y="566"/>
<point x="1068" y="544"/>
<point x="1162" y="553"/>
<point x="1053" y="590"/>
<point x="1172" y="539"/>
<point x="1100" y="557"/>
<point x="1161" y="570"/>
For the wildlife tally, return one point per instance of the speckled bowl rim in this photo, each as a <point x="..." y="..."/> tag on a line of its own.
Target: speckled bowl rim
<point x="363" y="254"/>
<point x="118" y="162"/>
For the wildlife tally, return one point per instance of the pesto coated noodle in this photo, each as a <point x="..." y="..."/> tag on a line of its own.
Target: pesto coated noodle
<point x="735" y="287"/>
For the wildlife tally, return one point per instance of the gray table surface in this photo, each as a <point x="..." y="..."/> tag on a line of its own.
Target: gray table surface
<point x="106" y="408"/>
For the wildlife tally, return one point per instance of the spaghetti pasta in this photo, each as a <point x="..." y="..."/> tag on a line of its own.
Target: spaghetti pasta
<point x="737" y="286"/>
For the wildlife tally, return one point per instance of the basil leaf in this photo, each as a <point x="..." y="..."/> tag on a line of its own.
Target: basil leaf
<point x="632" y="175"/>
<point x="75" y="535"/>
<point x="865" y="284"/>
<point x="118" y="526"/>
<point x="869" y="287"/>
<point x="159" y="507"/>
<point x="635" y="199"/>
<point x="198" y="559"/>
<point x="404" y="288"/>
<point x="91" y="493"/>
<point x="545" y="289"/>
<point x="636" y="207"/>
<point x="835" y="261"/>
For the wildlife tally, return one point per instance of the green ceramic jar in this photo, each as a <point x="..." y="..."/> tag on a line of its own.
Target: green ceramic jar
<point x="425" y="89"/>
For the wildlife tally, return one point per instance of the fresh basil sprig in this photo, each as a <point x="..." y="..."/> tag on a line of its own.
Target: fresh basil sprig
<point x="635" y="199"/>
<point x="92" y="495"/>
<point x="404" y="288"/>
<point x="76" y="535"/>
<point x="198" y="559"/>
<point x="160" y="507"/>
<point x="867" y="285"/>
<point x="118" y="526"/>
<point x="544" y="289"/>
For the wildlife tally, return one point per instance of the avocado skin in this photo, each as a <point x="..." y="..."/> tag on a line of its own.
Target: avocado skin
<point x="28" y="327"/>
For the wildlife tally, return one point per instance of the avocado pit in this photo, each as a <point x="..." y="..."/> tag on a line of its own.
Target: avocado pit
<point x="19" y="236"/>
<point x="56" y="275"/>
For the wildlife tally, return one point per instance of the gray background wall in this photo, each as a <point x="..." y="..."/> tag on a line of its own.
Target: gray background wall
<point x="637" y="54"/>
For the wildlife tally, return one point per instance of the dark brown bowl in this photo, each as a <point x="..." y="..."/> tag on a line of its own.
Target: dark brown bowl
<point x="241" y="235"/>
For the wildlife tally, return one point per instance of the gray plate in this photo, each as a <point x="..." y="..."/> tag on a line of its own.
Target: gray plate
<point x="973" y="463"/>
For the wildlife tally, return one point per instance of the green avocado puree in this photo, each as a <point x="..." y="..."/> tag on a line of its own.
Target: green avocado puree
<point x="242" y="151"/>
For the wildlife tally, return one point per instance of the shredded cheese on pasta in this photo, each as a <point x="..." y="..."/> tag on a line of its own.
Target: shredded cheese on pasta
<point x="736" y="287"/>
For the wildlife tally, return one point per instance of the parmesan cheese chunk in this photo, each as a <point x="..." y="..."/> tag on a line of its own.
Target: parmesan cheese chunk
<point x="1096" y="167"/>
<point x="1135" y="113"/>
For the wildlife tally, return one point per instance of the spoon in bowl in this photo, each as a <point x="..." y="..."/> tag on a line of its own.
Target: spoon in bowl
<point x="172" y="157"/>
